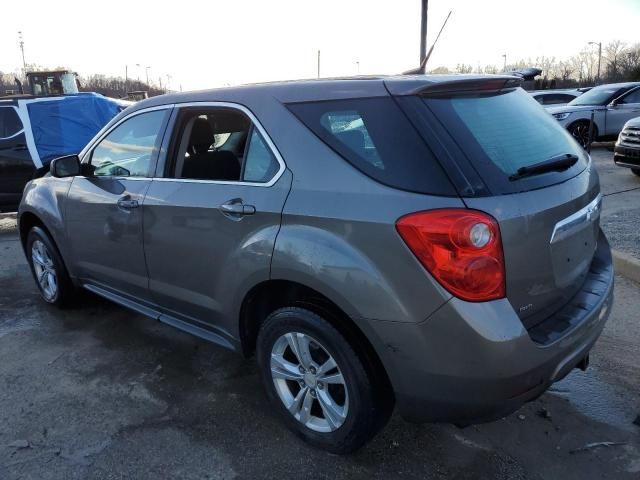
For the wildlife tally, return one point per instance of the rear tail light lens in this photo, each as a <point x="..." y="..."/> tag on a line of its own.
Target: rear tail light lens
<point x="461" y="248"/>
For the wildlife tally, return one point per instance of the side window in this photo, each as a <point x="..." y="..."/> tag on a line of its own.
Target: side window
<point x="259" y="164"/>
<point x="10" y="123"/>
<point x="633" y="97"/>
<point x="130" y="148"/>
<point x="220" y="144"/>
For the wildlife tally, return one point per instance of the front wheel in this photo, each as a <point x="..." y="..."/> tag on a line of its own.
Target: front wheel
<point x="317" y="382"/>
<point x="47" y="267"/>
<point x="580" y="131"/>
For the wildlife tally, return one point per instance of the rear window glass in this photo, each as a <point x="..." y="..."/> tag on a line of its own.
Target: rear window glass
<point x="374" y="135"/>
<point x="502" y="132"/>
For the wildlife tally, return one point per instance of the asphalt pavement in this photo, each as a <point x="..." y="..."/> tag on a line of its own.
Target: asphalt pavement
<point x="97" y="391"/>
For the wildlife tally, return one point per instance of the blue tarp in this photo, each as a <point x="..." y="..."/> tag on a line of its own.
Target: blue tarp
<point x="65" y="125"/>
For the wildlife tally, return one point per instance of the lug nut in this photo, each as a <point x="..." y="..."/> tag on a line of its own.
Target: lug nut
<point x="320" y="385"/>
<point x="301" y="369"/>
<point x="313" y="393"/>
<point x="312" y="370"/>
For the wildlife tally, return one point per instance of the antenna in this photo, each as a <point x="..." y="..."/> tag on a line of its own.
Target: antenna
<point x="423" y="65"/>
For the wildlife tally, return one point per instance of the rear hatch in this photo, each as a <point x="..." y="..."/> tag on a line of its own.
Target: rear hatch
<point x="508" y="157"/>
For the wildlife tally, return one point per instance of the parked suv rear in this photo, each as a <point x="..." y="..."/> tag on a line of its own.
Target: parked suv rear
<point x="411" y="241"/>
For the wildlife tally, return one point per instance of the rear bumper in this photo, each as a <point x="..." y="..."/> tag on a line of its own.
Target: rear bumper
<point x="625" y="156"/>
<point x="472" y="363"/>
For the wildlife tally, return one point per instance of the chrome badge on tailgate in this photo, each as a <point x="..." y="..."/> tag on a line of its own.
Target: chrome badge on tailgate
<point x="588" y="214"/>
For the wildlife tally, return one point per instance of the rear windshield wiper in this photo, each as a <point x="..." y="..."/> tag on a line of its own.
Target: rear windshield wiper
<point x="553" y="164"/>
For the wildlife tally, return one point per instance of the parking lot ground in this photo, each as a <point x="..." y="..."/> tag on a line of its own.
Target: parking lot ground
<point x="97" y="391"/>
<point x="621" y="204"/>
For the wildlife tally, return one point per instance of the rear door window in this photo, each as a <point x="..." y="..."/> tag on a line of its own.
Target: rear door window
<point x="502" y="132"/>
<point x="375" y="136"/>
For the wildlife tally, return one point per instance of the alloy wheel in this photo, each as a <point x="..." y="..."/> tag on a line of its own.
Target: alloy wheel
<point x="309" y="382"/>
<point x="581" y="133"/>
<point x="44" y="269"/>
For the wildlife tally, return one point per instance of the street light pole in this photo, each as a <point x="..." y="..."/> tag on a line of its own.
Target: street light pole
<point x="24" y="63"/>
<point x="423" y="30"/>
<point x="599" y="57"/>
<point x="146" y="69"/>
<point x="318" y="63"/>
<point x="504" y="69"/>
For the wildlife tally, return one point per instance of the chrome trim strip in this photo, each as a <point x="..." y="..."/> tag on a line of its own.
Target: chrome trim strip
<point x="237" y="106"/>
<point x="585" y="214"/>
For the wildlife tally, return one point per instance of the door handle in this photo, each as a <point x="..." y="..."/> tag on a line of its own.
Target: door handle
<point x="237" y="209"/>
<point x="127" y="203"/>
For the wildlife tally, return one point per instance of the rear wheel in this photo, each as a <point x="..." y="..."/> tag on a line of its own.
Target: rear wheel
<point x="47" y="267"/>
<point x="580" y="131"/>
<point x="317" y="382"/>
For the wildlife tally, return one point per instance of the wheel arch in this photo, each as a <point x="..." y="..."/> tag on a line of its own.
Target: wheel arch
<point x="270" y="295"/>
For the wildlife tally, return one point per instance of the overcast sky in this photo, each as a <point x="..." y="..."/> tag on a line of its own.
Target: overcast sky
<point x="212" y="43"/>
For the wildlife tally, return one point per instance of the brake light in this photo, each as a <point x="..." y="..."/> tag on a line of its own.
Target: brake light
<point x="461" y="248"/>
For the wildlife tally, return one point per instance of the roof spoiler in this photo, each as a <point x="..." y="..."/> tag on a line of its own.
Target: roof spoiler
<point x="467" y="85"/>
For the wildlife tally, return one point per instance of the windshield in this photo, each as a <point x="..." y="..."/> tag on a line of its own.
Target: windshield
<point x="599" y="95"/>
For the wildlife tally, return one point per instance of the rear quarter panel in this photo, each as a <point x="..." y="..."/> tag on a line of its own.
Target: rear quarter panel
<point x="338" y="233"/>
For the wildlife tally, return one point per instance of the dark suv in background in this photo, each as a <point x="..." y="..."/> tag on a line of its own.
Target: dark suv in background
<point x="431" y="243"/>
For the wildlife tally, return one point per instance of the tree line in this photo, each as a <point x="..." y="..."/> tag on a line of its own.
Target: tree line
<point x="619" y="63"/>
<point x="114" y="87"/>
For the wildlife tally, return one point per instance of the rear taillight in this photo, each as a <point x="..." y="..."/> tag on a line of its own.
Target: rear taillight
<point x="461" y="248"/>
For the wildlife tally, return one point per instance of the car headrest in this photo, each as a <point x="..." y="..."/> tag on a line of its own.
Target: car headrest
<point x="201" y="136"/>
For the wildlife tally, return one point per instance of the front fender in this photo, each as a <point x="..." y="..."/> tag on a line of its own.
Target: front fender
<point x="45" y="198"/>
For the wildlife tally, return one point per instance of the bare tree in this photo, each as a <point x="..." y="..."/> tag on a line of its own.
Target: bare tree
<point x="612" y="53"/>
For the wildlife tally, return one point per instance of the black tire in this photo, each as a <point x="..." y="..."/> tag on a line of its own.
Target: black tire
<point x="580" y="131"/>
<point x="369" y="404"/>
<point x="636" y="171"/>
<point x="65" y="290"/>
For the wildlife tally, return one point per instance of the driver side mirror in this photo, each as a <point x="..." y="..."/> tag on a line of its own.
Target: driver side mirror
<point x="68" y="166"/>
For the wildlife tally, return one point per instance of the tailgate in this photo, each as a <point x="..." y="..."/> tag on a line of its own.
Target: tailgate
<point x="549" y="238"/>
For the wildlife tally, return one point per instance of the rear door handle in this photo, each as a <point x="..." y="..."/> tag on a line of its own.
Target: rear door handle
<point x="127" y="203"/>
<point x="237" y="209"/>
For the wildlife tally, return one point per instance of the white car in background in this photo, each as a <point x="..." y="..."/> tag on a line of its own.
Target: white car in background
<point x="612" y="105"/>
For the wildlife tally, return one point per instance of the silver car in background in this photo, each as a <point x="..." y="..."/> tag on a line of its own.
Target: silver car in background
<point x="425" y="242"/>
<point x="612" y="105"/>
<point x="627" y="148"/>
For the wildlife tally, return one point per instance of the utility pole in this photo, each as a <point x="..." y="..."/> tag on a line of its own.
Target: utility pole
<point x="168" y="82"/>
<point x="126" y="79"/>
<point x="318" y="63"/>
<point x="146" y="70"/>
<point x="423" y="31"/>
<point x="599" y="58"/>
<point x="504" y="69"/>
<point x="24" y="63"/>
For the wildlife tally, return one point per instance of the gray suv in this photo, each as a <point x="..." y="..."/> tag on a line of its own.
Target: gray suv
<point x="409" y="242"/>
